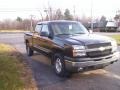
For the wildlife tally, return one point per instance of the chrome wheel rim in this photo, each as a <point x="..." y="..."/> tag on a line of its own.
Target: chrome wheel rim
<point x="58" y="65"/>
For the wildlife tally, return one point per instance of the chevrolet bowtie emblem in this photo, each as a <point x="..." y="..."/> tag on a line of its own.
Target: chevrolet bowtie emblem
<point x="101" y="48"/>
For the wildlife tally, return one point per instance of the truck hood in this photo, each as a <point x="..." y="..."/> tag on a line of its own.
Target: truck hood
<point x="85" y="39"/>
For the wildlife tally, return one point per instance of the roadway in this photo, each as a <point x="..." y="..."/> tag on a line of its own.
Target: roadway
<point x="103" y="79"/>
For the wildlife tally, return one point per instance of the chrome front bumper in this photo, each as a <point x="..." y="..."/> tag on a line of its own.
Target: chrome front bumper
<point x="106" y="60"/>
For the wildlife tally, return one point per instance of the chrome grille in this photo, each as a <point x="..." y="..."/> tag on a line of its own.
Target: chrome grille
<point x="99" y="53"/>
<point x="93" y="50"/>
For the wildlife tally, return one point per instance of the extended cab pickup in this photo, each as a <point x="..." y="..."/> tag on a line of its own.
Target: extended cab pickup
<point x="71" y="47"/>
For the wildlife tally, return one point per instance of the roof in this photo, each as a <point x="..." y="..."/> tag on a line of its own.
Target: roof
<point x="54" y="21"/>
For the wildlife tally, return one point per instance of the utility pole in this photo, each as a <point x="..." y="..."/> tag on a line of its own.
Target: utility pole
<point x="41" y="15"/>
<point x="91" y="14"/>
<point x="46" y="11"/>
<point x="31" y="23"/>
<point x="49" y="11"/>
<point x="74" y="11"/>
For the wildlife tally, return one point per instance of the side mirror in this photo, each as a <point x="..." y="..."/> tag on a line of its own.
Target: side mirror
<point x="45" y="34"/>
<point x="90" y="31"/>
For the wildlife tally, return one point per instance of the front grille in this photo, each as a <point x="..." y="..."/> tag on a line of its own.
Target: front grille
<point x="99" y="53"/>
<point x="91" y="46"/>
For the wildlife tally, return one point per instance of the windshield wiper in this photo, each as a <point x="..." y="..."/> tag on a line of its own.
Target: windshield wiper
<point x="79" y="33"/>
<point x="64" y="34"/>
<point x="71" y="34"/>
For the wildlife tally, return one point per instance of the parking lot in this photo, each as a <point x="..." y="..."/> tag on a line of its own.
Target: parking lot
<point x="103" y="79"/>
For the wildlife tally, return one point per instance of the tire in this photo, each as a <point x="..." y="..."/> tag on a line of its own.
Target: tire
<point x="59" y="66"/>
<point x="29" y="50"/>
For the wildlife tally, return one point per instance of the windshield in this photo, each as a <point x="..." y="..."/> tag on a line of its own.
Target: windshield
<point x="68" y="28"/>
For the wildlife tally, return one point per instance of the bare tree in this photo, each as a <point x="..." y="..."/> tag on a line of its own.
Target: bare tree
<point x="58" y="15"/>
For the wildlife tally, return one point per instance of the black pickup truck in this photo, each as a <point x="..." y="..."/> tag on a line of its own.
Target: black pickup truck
<point x="71" y="47"/>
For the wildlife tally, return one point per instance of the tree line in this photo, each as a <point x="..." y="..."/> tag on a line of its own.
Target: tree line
<point x="15" y="24"/>
<point x="25" y="24"/>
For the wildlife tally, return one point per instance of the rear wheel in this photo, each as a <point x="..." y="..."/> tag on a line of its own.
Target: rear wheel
<point x="59" y="66"/>
<point x="29" y="50"/>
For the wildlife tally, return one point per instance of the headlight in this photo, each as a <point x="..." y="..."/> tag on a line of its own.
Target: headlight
<point x="79" y="50"/>
<point x="114" y="46"/>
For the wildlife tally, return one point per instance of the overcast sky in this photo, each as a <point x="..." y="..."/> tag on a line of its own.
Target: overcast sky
<point x="24" y="8"/>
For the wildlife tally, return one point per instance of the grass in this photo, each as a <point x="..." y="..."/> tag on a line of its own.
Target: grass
<point x="13" y="75"/>
<point x="116" y="37"/>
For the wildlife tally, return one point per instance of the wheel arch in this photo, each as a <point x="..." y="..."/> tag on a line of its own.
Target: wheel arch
<point x="55" y="52"/>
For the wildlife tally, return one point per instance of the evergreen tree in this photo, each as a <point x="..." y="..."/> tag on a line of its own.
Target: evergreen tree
<point x="67" y="15"/>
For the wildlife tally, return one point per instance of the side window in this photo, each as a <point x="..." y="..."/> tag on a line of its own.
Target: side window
<point x="45" y="29"/>
<point x="38" y="28"/>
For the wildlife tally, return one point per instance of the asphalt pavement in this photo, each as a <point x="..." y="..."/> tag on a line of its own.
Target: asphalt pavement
<point x="103" y="79"/>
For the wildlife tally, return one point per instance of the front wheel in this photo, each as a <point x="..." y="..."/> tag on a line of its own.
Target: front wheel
<point x="59" y="66"/>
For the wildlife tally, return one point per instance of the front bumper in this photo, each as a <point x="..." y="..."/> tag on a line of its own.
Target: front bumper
<point x="90" y="63"/>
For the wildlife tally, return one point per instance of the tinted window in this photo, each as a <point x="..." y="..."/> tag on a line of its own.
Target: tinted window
<point x="38" y="28"/>
<point x="45" y="29"/>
